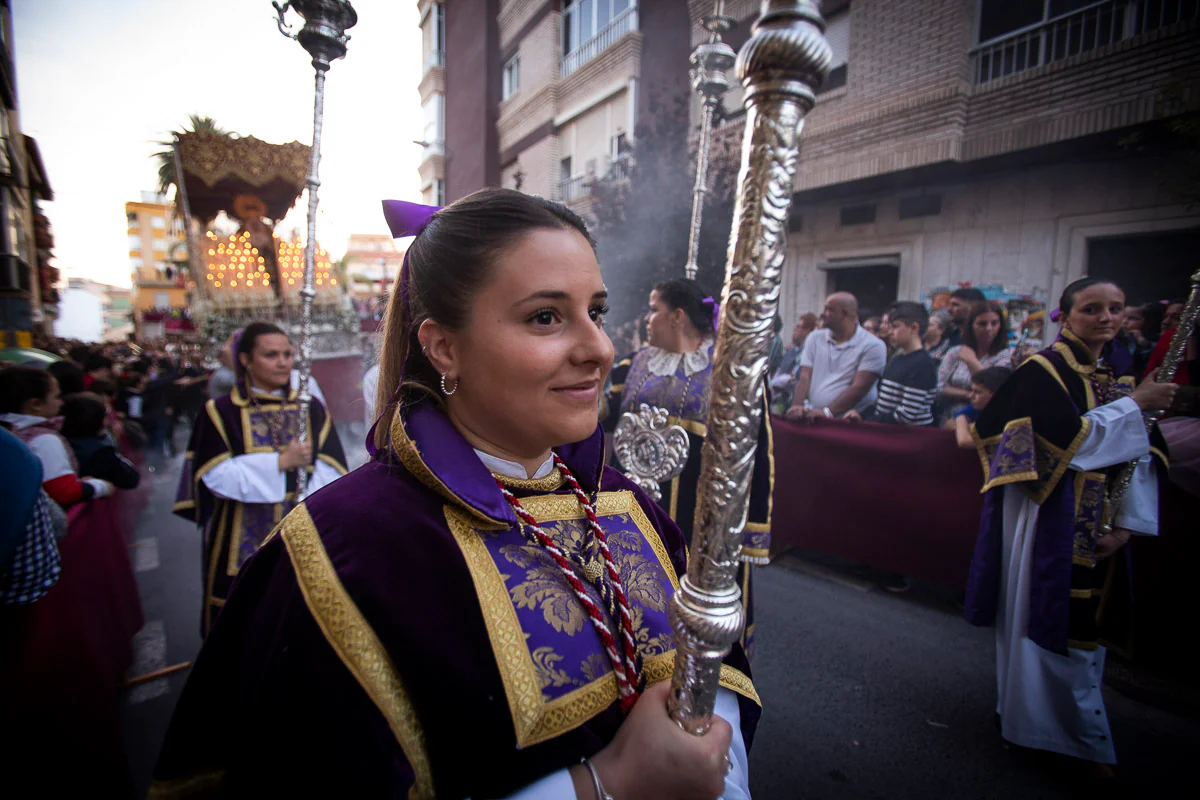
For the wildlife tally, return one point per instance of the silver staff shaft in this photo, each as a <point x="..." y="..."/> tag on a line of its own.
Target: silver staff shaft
<point x="324" y="37"/>
<point x="781" y="66"/>
<point x="307" y="292"/>
<point x="1165" y="374"/>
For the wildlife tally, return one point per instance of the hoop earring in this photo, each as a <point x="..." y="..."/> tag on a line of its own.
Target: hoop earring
<point x="446" y="391"/>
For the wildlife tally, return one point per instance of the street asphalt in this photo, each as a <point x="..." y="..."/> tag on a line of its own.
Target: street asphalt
<point x="866" y="694"/>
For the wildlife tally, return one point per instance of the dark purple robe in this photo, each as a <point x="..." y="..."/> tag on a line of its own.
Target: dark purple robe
<point x="399" y="637"/>
<point x="1027" y="436"/>
<point x="231" y="426"/>
<point x="686" y="400"/>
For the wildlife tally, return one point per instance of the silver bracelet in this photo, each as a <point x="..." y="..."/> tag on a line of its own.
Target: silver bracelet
<point x="599" y="787"/>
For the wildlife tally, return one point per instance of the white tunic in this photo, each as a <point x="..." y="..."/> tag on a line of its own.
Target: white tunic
<point x="1049" y="701"/>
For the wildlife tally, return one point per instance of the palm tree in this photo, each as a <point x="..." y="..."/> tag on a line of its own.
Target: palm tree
<point x="166" y="158"/>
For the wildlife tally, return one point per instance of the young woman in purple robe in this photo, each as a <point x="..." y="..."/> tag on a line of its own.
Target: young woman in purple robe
<point x="674" y="372"/>
<point x="239" y="475"/>
<point x="481" y="610"/>
<point x="1051" y="440"/>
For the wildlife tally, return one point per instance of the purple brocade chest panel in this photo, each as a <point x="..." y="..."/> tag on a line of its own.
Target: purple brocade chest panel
<point x="555" y="670"/>
<point x="681" y="395"/>
<point x="258" y="426"/>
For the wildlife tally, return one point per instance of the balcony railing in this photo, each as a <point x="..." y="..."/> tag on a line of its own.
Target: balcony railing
<point x="1080" y="31"/>
<point x="621" y="169"/>
<point x="622" y="24"/>
<point x="574" y="188"/>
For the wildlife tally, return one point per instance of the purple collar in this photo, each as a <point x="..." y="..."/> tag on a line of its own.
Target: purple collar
<point x="432" y="449"/>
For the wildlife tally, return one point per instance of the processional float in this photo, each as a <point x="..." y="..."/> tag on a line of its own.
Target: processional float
<point x="781" y="67"/>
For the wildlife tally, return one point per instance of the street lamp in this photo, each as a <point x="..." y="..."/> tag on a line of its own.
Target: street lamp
<point x="324" y="37"/>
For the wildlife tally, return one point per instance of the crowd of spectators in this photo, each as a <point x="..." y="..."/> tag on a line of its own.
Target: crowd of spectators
<point x="88" y="423"/>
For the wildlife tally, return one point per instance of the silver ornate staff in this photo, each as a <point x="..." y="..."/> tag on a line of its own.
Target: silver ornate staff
<point x="324" y="37"/>
<point x="1166" y="373"/>
<point x="709" y="61"/>
<point x="781" y="67"/>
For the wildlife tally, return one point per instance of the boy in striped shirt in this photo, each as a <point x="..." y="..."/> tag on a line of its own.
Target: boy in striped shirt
<point x="909" y="384"/>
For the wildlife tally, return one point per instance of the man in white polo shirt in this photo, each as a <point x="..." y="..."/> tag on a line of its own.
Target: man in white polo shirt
<point x="840" y="365"/>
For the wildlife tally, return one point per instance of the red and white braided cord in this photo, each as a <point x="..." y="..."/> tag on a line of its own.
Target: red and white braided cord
<point x="623" y="668"/>
<point x="622" y="604"/>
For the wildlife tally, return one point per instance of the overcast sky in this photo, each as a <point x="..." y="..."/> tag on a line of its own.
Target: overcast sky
<point x="100" y="82"/>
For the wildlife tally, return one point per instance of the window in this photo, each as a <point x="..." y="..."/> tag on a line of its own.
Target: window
<point x="591" y="26"/>
<point x="136" y="262"/>
<point x="160" y="243"/>
<point x="158" y="223"/>
<point x="135" y="243"/>
<point x="162" y="299"/>
<point x="512" y="77"/>
<point x="837" y="33"/>
<point x="564" y="168"/>
<point x="618" y="146"/>
<point x="434" y="113"/>
<point x="131" y="220"/>
<point x="439" y="192"/>
<point x="434" y="26"/>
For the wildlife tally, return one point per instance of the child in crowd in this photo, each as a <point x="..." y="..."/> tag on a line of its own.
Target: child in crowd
<point x="909" y="384"/>
<point x="29" y="406"/>
<point x="83" y="426"/>
<point x="984" y="384"/>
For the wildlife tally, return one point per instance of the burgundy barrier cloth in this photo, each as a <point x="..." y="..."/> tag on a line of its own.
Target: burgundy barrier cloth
<point x="892" y="497"/>
<point x="64" y="659"/>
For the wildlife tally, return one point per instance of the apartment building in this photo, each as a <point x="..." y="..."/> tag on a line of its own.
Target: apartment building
<point x="1017" y="143"/>
<point x="542" y="95"/>
<point x="154" y="235"/>
<point x="371" y="264"/>
<point x="28" y="295"/>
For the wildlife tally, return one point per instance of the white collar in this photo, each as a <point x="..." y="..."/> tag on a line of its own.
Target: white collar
<point x="19" y="421"/>
<point x="664" y="363"/>
<point x="511" y="469"/>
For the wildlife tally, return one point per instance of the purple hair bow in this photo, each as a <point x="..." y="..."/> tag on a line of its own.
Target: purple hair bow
<point x="406" y="219"/>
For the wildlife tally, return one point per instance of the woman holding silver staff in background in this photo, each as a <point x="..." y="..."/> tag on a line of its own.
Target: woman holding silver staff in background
<point x="239" y="474"/>
<point x="674" y="372"/>
<point x="1051" y="440"/>
<point x="485" y="588"/>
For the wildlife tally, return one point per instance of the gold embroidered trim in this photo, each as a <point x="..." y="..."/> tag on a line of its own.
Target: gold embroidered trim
<point x="1045" y="364"/>
<point x="689" y="425"/>
<point x="534" y="719"/>
<point x="355" y="642"/>
<point x="196" y="787"/>
<point x="549" y="483"/>
<point x="616" y="388"/>
<point x="248" y="433"/>
<point x="410" y="456"/>
<point x="1075" y="644"/>
<point x="981" y="446"/>
<point x="673" y="509"/>
<point x="1162" y="457"/>
<point x="211" y="409"/>
<point x="757" y="527"/>
<point x="1081" y="561"/>
<point x="1064" y="461"/>
<point x="1084" y="594"/>
<point x="218" y="536"/>
<point x="184" y="505"/>
<point x="333" y="462"/>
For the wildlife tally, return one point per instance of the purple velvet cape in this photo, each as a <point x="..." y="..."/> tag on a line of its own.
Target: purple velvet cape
<point x="271" y="707"/>
<point x="1027" y="436"/>
<point x="220" y="433"/>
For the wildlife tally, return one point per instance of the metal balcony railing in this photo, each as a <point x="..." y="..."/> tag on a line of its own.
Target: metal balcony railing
<point x="621" y="169"/>
<point x="574" y="188"/>
<point x="1081" y="31"/>
<point x="622" y="24"/>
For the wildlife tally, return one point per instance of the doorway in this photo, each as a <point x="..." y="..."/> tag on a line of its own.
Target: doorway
<point x="1148" y="266"/>
<point x="875" y="285"/>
